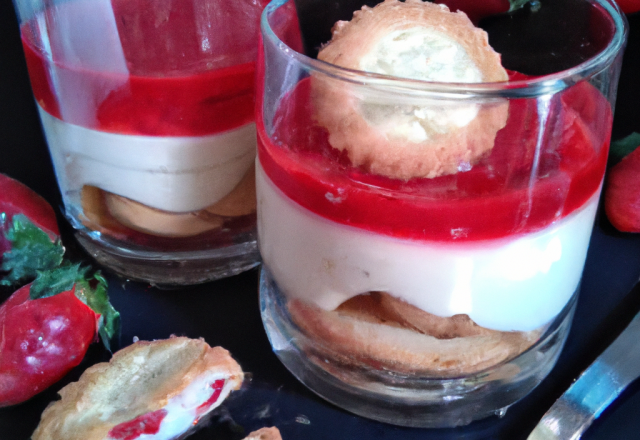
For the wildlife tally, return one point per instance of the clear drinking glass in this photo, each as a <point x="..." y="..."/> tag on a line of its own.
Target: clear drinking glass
<point x="429" y="302"/>
<point x="147" y="107"/>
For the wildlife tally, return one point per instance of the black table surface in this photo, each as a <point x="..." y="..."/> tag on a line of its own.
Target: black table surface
<point x="226" y="312"/>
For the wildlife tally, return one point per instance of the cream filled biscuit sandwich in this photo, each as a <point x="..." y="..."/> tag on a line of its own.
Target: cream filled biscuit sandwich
<point x="149" y="390"/>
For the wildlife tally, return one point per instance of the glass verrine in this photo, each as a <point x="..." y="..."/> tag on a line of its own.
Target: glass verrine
<point x="428" y="301"/>
<point x="147" y="109"/>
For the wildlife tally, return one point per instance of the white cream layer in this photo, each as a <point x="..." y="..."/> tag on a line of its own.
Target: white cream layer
<point x="505" y="284"/>
<point x="177" y="174"/>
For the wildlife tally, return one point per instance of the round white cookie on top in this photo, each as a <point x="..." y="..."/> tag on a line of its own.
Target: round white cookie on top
<point x="399" y="134"/>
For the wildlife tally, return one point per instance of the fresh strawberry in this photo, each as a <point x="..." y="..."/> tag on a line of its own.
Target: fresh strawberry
<point x="476" y="10"/>
<point x="622" y="193"/>
<point x="46" y="328"/>
<point x="29" y="235"/>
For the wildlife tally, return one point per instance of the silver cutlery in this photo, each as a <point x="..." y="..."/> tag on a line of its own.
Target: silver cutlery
<point x="594" y="390"/>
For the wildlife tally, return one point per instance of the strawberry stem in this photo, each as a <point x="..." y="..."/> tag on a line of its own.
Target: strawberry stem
<point x="623" y="147"/>
<point x="59" y="279"/>
<point x="93" y="292"/>
<point x="31" y="250"/>
<point x="517" y="4"/>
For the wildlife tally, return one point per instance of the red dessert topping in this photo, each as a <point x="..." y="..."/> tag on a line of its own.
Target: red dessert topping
<point x="145" y="424"/>
<point x="207" y="103"/>
<point x="526" y="183"/>
<point x="174" y="85"/>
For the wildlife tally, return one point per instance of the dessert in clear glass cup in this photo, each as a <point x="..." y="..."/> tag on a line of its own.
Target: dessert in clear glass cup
<point x="423" y="237"/>
<point x="147" y="109"/>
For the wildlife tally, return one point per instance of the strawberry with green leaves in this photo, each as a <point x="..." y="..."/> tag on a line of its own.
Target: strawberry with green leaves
<point x="16" y="198"/>
<point x="29" y="234"/>
<point x="46" y="326"/>
<point x="622" y="191"/>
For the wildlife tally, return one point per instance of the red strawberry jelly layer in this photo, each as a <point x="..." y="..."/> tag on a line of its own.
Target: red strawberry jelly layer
<point x="171" y="88"/>
<point x="505" y="194"/>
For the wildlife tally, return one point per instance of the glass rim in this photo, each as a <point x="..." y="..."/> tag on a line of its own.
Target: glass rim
<point x="522" y="88"/>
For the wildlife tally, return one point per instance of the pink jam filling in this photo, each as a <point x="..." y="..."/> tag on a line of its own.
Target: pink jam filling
<point x="217" y="389"/>
<point x="145" y="424"/>
<point x="150" y="423"/>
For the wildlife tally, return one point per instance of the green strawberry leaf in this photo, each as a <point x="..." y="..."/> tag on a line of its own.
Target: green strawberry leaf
<point x="57" y="280"/>
<point x="93" y="292"/>
<point x="517" y="4"/>
<point x="623" y="147"/>
<point x="31" y="250"/>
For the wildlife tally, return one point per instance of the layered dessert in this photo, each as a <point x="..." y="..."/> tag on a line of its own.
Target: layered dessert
<point x="148" y="113"/>
<point x="418" y="232"/>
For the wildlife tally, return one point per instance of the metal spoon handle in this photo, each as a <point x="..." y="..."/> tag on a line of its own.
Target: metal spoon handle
<point x="594" y="390"/>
